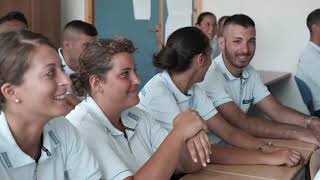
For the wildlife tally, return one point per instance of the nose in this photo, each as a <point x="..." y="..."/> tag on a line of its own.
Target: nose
<point x="245" y="48"/>
<point x="135" y="79"/>
<point x="64" y="80"/>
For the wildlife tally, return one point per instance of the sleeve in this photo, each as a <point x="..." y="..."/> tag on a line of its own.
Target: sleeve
<point x="214" y="86"/>
<point x="157" y="133"/>
<point x="317" y="177"/>
<point x="203" y="104"/>
<point x="162" y="107"/>
<point x="309" y="65"/>
<point x="111" y="164"/>
<point x="80" y="162"/>
<point x="260" y="91"/>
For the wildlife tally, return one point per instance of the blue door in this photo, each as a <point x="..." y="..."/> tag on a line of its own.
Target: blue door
<point x="116" y="18"/>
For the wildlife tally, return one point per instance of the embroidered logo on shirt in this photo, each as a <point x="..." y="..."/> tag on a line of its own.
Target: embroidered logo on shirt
<point x="53" y="137"/>
<point x="6" y="159"/>
<point x="247" y="101"/>
<point x="66" y="175"/>
<point x="226" y="76"/>
<point x="133" y="116"/>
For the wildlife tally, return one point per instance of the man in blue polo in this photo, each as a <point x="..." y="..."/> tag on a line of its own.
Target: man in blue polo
<point x="233" y="86"/>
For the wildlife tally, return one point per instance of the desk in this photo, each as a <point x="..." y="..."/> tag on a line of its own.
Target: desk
<point x="256" y="172"/>
<point x="271" y="77"/>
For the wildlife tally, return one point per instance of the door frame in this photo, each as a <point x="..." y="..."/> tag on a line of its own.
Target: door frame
<point x="90" y="17"/>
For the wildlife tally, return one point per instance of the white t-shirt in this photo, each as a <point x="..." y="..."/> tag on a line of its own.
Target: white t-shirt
<point x="308" y="71"/>
<point x="163" y="100"/>
<point x="222" y="87"/>
<point x="64" y="155"/>
<point x="118" y="157"/>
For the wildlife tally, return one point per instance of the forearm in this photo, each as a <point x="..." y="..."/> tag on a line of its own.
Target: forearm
<point x="231" y="155"/>
<point x="164" y="161"/>
<point x="240" y="138"/>
<point x="290" y="116"/>
<point x="268" y="129"/>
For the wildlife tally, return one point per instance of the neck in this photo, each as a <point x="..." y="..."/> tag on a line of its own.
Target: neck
<point x="183" y="81"/>
<point x="236" y="72"/>
<point x="315" y="39"/>
<point x="111" y="111"/>
<point x="26" y="131"/>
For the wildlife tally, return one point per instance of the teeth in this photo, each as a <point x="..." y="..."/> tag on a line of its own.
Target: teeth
<point x="59" y="97"/>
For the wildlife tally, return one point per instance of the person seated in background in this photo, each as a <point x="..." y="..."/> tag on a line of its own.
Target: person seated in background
<point x="309" y="61"/>
<point x="33" y="144"/>
<point x="220" y="25"/>
<point x="233" y="86"/>
<point x="75" y="35"/>
<point x="13" y="21"/>
<point x="128" y="142"/>
<point x="184" y="61"/>
<point x="207" y="22"/>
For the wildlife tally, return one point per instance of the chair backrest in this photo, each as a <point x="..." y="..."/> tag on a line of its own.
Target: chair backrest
<point x="314" y="163"/>
<point x="305" y="93"/>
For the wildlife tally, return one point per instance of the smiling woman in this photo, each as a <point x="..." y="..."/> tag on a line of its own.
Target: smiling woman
<point x="127" y="141"/>
<point x="33" y="86"/>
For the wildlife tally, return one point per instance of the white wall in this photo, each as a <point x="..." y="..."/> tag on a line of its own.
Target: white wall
<point x="281" y="36"/>
<point x="72" y="10"/>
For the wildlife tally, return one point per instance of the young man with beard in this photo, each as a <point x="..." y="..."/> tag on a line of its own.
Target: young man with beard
<point x="233" y="85"/>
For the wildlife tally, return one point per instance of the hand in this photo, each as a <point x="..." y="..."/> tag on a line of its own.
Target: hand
<point x="188" y="124"/>
<point x="285" y="157"/>
<point x="200" y="144"/>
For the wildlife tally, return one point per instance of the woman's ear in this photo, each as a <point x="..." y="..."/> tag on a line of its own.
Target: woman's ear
<point x="96" y="84"/>
<point x="8" y="91"/>
<point x="201" y="59"/>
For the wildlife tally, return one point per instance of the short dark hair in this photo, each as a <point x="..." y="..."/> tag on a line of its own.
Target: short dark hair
<point x="203" y="15"/>
<point x="83" y="27"/>
<point x="313" y="18"/>
<point x="182" y="45"/>
<point x="239" y="19"/>
<point x="14" y="15"/>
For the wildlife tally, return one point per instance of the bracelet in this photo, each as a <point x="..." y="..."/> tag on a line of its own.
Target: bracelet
<point x="308" y="121"/>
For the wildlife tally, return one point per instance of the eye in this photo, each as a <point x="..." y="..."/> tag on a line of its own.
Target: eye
<point x="252" y="42"/>
<point x="237" y="41"/>
<point x="51" y="73"/>
<point x="125" y="74"/>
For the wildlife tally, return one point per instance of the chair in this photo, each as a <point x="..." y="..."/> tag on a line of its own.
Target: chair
<point x="314" y="164"/>
<point x="305" y="93"/>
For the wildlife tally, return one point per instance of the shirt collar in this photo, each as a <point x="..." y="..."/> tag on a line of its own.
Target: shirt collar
<point x="315" y="46"/>
<point x="12" y="156"/>
<point x="128" y="117"/>
<point x="218" y="62"/>
<point x="179" y="96"/>
<point x="66" y="68"/>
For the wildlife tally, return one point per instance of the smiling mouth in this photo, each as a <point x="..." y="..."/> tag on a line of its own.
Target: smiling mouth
<point x="60" y="97"/>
